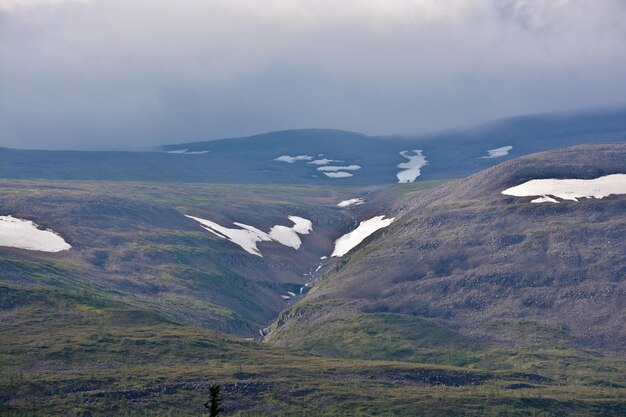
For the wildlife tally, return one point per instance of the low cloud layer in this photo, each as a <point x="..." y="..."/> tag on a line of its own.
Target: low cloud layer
<point x="106" y="74"/>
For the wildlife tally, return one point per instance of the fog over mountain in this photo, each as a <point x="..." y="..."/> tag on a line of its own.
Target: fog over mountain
<point x="113" y="74"/>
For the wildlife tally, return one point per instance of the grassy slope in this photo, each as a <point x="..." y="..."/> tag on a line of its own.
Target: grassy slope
<point x="77" y="347"/>
<point x="356" y="309"/>
<point x="133" y="240"/>
<point x="64" y="354"/>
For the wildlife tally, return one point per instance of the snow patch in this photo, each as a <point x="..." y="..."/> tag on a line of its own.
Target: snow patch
<point x="570" y="189"/>
<point x="301" y="225"/>
<point x="292" y="159"/>
<point x="288" y="236"/>
<point x="338" y="168"/>
<point x="339" y="174"/>
<point x="350" y="202"/>
<point x="323" y="161"/>
<point x="248" y="236"/>
<point x="411" y="168"/>
<point x="24" y="234"/>
<point x="498" y="152"/>
<point x="350" y="240"/>
<point x="187" y="152"/>
<point x="544" y="199"/>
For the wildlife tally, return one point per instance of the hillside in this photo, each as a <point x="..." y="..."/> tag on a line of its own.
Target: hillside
<point x="474" y="297"/>
<point x="133" y="242"/>
<point x="482" y="266"/>
<point x="77" y="355"/>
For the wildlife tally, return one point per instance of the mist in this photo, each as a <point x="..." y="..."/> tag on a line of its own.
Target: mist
<point x="131" y="74"/>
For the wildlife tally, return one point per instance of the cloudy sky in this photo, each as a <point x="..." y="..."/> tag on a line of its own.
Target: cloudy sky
<point x="109" y="74"/>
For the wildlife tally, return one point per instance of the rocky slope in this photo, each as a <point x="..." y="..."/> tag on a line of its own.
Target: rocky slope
<point x="488" y="266"/>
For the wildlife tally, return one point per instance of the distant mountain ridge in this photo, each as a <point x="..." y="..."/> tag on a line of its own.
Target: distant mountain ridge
<point x="374" y="159"/>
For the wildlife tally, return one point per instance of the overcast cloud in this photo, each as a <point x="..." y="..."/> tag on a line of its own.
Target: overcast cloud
<point x="103" y="74"/>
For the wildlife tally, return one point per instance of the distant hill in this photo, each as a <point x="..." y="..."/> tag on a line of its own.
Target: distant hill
<point x="467" y="259"/>
<point x="370" y="159"/>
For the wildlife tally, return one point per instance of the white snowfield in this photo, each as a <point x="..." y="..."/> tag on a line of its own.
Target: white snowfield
<point x="350" y="202"/>
<point x="340" y="174"/>
<point x="247" y="236"/>
<point x="288" y="236"/>
<point x="351" y="240"/>
<point x="24" y="234"/>
<point x="292" y="159"/>
<point x="569" y="189"/>
<point x="339" y="168"/>
<point x="410" y="169"/>
<point x="330" y="171"/>
<point x="498" y="152"/>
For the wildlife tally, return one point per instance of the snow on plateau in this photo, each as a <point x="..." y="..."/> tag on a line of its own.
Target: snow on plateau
<point x="498" y="152"/>
<point x="339" y="168"/>
<point x="339" y="174"/>
<point x="411" y="168"/>
<point x="323" y="161"/>
<point x="330" y="171"/>
<point x="187" y="152"/>
<point x="292" y="159"/>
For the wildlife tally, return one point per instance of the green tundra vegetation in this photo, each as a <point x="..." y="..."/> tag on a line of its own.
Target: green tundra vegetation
<point x="65" y="352"/>
<point x="147" y="311"/>
<point x="78" y="355"/>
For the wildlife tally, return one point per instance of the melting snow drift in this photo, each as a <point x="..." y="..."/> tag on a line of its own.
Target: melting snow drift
<point x="410" y="169"/>
<point x="498" y="152"/>
<point x="337" y="168"/>
<point x="339" y="174"/>
<point x="292" y="159"/>
<point x="247" y="236"/>
<point x="351" y="202"/>
<point x="337" y="171"/>
<point x="544" y="199"/>
<point x="187" y="152"/>
<point x="288" y="236"/>
<point x="323" y="161"/>
<point x="24" y="234"/>
<point x="351" y="240"/>
<point x="328" y="170"/>
<point x="569" y="189"/>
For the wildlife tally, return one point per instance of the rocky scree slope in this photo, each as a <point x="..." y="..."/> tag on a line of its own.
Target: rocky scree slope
<point x="466" y="257"/>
